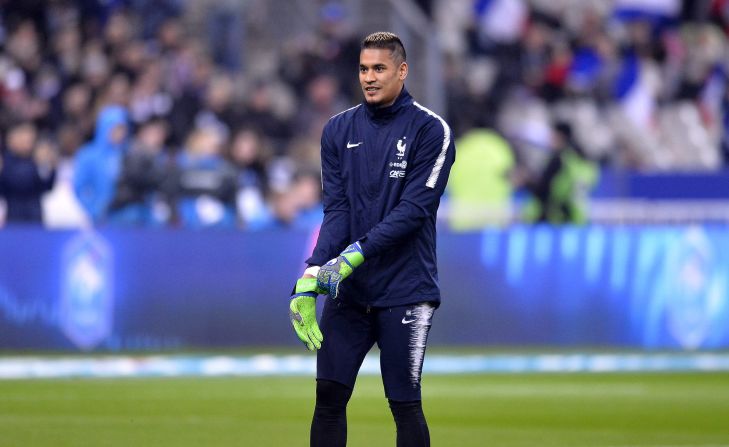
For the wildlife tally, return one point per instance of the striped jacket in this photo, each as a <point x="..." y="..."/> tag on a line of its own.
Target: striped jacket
<point x="383" y="173"/>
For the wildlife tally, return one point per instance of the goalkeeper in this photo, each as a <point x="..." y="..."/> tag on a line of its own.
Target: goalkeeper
<point x="385" y="164"/>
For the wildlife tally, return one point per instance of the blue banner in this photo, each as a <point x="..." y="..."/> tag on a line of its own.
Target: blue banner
<point x="645" y="287"/>
<point x="648" y="287"/>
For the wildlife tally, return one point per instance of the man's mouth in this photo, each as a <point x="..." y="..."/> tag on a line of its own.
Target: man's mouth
<point x="371" y="89"/>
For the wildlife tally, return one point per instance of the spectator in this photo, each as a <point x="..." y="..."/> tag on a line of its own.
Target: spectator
<point x="61" y="206"/>
<point x="250" y="156"/>
<point x="95" y="68"/>
<point x="479" y="190"/>
<point x="188" y="76"/>
<point x="74" y="110"/>
<point x="204" y="182"/>
<point x="259" y="113"/>
<point x="148" y="98"/>
<point x="217" y="109"/>
<point x="27" y="171"/>
<point x="322" y="101"/>
<point x="138" y="199"/>
<point x="66" y="52"/>
<point x="560" y="192"/>
<point x="299" y="206"/>
<point x="98" y="163"/>
<point x="306" y="193"/>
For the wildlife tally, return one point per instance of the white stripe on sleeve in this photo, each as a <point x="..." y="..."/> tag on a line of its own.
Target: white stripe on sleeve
<point x="433" y="178"/>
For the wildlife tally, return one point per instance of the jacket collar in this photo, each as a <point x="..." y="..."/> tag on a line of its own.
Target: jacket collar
<point x="384" y="113"/>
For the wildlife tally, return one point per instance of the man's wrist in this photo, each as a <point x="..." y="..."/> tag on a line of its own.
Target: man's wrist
<point x="311" y="271"/>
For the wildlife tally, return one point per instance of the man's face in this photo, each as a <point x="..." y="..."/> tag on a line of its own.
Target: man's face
<point x="118" y="133"/>
<point x="21" y="140"/>
<point x="380" y="76"/>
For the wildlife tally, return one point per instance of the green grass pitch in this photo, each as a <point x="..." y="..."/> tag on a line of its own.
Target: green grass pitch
<point x="560" y="410"/>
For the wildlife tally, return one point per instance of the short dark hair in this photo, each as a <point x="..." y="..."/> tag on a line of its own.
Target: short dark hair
<point x="386" y="41"/>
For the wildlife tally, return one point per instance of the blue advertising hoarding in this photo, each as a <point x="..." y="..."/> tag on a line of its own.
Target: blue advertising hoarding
<point x="643" y="287"/>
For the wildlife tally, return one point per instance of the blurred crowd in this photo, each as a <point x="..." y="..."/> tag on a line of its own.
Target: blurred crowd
<point x="130" y="119"/>
<point x="148" y="113"/>
<point x="575" y="86"/>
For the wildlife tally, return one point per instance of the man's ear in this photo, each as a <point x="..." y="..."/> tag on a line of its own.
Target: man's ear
<point x="403" y="71"/>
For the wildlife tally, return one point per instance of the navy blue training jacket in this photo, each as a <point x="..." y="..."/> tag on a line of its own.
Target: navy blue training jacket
<point x="383" y="173"/>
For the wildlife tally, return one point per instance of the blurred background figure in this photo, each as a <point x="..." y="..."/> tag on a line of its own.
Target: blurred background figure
<point x="98" y="163"/>
<point x="559" y="193"/>
<point x="306" y="195"/>
<point x="140" y="193"/>
<point x="73" y="113"/>
<point x="268" y="108"/>
<point x="27" y="171"/>
<point x="297" y="207"/>
<point x="322" y="101"/>
<point x="203" y="190"/>
<point x="249" y="154"/>
<point x="480" y="187"/>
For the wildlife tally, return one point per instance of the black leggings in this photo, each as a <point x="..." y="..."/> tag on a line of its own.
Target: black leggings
<point x="412" y="429"/>
<point x="329" y="425"/>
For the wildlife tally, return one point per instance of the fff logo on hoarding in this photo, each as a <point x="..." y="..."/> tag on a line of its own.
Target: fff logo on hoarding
<point x="86" y="297"/>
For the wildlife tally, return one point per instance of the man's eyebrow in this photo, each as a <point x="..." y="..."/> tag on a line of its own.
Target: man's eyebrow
<point x="377" y="65"/>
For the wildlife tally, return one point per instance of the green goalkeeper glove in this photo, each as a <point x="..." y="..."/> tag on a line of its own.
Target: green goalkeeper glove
<point x="302" y="311"/>
<point x="338" y="269"/>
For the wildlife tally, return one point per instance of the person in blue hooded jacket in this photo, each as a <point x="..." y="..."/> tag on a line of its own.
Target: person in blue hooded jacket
<point x="98" y="162"/>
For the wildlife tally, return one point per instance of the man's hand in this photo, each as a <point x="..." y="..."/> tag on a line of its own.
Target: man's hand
<point x="338" y="269"/>
<point x="302" y="310"/>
